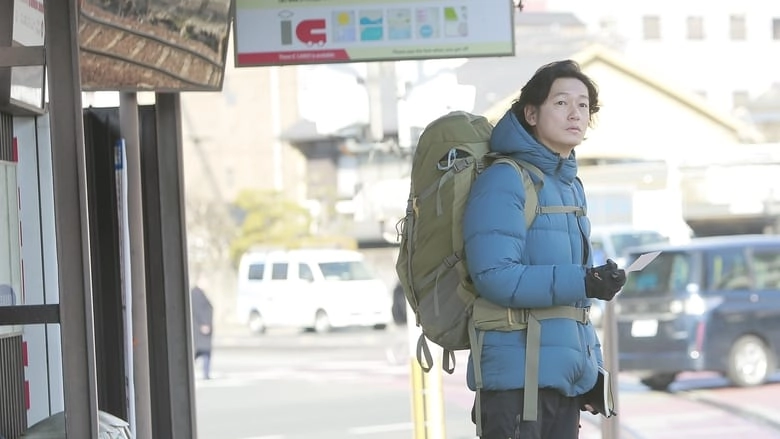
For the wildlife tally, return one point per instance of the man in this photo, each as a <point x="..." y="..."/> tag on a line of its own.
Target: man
<point x="202" y="328"/>
<point x="399" y="305"/>
<point x="547" y="265"/>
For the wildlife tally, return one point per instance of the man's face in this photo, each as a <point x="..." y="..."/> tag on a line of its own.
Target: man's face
<point x="561" y="121"/>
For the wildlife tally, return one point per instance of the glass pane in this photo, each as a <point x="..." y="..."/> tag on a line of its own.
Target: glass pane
<point x="28" y="30"/>
<point x="776" y="28"/>
<point x="27" y="85"/>
<point x="727" y="270"/>
<point x="623" y="241"/>
<point x="304" y="272"/>
<point x="668" y="273"/>
<point x="695" y="28"/>
<point x="766" y="269"/>
<point x="651" y="27"/>
<point x="10" y="257"/>
<point x="738" y="30"/>
<point x="279" y="272"/>
<point x="349" y="270"/>
<point x="256" y="271"/>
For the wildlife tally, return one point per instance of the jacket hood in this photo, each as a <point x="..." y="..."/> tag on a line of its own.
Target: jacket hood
<point x="509" y="137"/>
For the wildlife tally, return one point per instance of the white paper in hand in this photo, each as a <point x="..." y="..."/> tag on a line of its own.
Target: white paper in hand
<point x="642" y="261"/>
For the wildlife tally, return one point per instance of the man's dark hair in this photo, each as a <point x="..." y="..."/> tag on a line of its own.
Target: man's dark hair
<point x="537" y="89"/>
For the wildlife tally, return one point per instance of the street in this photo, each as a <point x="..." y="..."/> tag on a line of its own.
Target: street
<point x="299" y="385"/>
<point x="293" y="385"/>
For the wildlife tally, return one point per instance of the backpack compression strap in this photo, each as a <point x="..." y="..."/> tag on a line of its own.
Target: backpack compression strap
<point x="533" y="345"/>
<point x="517" y="319"/>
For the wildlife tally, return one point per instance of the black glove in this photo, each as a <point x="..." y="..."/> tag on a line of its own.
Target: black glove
<point x="604" y="281"/>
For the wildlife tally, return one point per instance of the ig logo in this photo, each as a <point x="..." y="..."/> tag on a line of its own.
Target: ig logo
<point x="309" y="32"/>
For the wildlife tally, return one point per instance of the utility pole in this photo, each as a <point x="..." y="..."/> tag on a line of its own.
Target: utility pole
<point x="426" y="387"/>
<point x="610" y="427"/>
<point x="382" y="90"/>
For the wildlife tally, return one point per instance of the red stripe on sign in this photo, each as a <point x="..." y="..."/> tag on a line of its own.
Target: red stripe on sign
<point x="294" y="57"/>
<point x="15" y="150"/>
<point x="27" y="394"/>
<point x="24" y="354"/>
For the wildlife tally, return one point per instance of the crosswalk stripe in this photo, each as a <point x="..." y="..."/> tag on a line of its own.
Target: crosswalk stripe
<point x="373" y="429"/>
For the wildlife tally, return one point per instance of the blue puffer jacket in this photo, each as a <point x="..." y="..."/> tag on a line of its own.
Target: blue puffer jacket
<point x="540" y="267"/>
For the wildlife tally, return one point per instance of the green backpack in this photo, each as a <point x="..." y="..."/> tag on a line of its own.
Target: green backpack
<point x="452" y="151"/>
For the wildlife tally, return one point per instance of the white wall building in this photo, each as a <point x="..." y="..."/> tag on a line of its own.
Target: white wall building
<point x="725" y="51"/>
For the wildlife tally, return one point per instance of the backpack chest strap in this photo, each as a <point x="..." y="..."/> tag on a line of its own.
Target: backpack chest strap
<point x="579" y="211"/>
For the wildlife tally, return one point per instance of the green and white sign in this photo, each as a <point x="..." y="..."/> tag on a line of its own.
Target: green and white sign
<point x="280" y="32"/>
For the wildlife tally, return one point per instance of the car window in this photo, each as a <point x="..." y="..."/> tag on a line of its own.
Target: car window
<point x="305" y="273"/>
<point x="623" y="241"/>
<point x="727" y="270"/>
<point x="766" y="268"/>
<point x="256" y="272"/>
<point x="599" y="254"/>
<point x="279" y="271"/>
<point x="669" y="272"/>
<point x="347" y="270"/>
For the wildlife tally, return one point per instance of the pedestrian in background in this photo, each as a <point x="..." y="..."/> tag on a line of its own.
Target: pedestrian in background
<point x="399" y="305"/>
<point x="202" y="328"/>
<point x="547" y="265"/>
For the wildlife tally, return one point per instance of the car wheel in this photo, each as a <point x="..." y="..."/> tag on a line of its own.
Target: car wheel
<point x="256" y="323"/>
<point x="321" y="322"/>
<point x="750" y="361"/>
<point x="659" y="382"/>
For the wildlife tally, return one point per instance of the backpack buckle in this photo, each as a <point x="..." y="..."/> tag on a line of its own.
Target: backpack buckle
<point x="520" y="316"/>
<point x="462" y="164"/>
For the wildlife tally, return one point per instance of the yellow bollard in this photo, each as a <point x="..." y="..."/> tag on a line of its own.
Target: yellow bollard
<point x="427" y="392"/>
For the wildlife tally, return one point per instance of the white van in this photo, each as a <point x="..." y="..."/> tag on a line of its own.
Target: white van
<point x="315" y="289"/>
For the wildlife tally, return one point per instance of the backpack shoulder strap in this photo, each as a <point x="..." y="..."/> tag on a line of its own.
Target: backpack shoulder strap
<point x="532" y="189"/>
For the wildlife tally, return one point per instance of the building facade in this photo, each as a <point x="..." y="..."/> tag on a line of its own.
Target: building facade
<point x="723" y="51"/>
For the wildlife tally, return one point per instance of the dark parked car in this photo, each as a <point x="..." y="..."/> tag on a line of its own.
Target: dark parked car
<point x="709" y="305"/>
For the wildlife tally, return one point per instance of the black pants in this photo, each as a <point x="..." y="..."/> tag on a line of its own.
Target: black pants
<point x="502" y="416"/>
